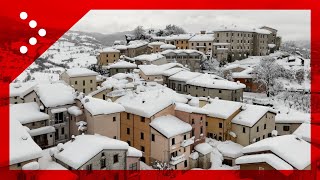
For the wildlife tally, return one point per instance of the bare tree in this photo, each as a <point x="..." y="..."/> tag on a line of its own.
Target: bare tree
<point x="139" y="32"/>
<point x="265" y="74"/>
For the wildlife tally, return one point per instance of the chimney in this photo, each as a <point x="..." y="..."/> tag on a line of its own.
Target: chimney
<point x="203" y="32"/>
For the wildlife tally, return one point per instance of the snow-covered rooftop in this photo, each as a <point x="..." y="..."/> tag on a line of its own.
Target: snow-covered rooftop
<point x="202" y="37"/>
<point x="78" y="72"/>
<point x="203" y="148"/>
<point x="170" y="126"/>
<point x="230" y="149"/>
<point x="182" y="51"/>
<point x="21" y="89"/>
<point x="133" y="152"/>
<point x="168" y="46"/>
<point x="215" y="82"/>
<point x="158" y="69"/>
<point x="292" y="117"/>
<point x="110" y="50"/>
<point x="27" y="113"/>
<point x="172" y="71"/>
<point x="99" y="107"/>
<point x="149" y="57"/>
<point x="156" y="43"/>
<point x="250" y="115"/>
<point x="291" y="149"/>
<point x="271" y="159"/>
<point x="179" y="37"/>
<point x="247" y="73"/>
<point x="84" y="147"/>
<point x="75" y="110"/>
<point x="151" y="101"/>
<point x="22" y="147"/>
<point x="184" y="76"/>
<point x="42" y="130"/>
<point x="190" y="109"/>
<point x="304" y="131"/>
<point x="136" y="44"/>
<point x="122" y="64"/>
<point x="221" y="108"/>
<point x="55" y="94"/>
<point x="242" y="29"/>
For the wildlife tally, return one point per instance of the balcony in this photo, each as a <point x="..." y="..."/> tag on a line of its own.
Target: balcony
<point x="187" y="142"/>
<point x="177" y="159"/>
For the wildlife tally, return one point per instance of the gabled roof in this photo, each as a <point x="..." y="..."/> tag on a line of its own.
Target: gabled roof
<point x="27" y="113"/>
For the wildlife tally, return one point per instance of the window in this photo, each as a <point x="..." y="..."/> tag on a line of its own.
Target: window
<point x="152" y="137"/>
<point x="89" y="167"/>
<point x="265" y="126"/>
<point x="91" y="81"/>
<point x="102" y="163"/>
<point x="129" y="143"/>
<point x="192" y="121"/>
<point x="104" y="97"/>
<point x="115" y="158"/>
<point x="173" y="141"/>
<point x="62" y="131"/>
<point x="185" y="137"/>
<point x="179" y="87"/>
<point x="220" y="125"/>
<point x="269" y="134"/>
<point x="114" y="119"/>
<point x="263" y="136"/>
<point x="243" y="130"/>
<point x="75" y="82"/>
<point x="142" y="135"/>
<point x="128" y="130"/>
<point x="114" y="137"/>
<point x="133" y="166"/>
<point x="56" y="134"/>
<point x="58" y="117"/>
<point x="192" y="132"/>
<point x="220" y="91"/>
<point x="84" y="82"/>
<point x="286" y="128"/>
<point x="201" y="130"/>
<point x="257" y="128"/>
<point x="142" y="148"/>
<point x="142" y="119"/>
<point x="207" y="123"/>
<point x="184" y="88"/>
<point x="91" y="89"/>
<point x="258" y="139"/>
<point x="84" y="90"/>
<point x="185" y="163"/>
<point x="128" y="115"/>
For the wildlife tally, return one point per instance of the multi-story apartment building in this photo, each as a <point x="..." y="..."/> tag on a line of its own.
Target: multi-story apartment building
<point x="187" y="57"/>
<point x="137" y="47"/>
<point x="214" y="86"/>
<point x="81" y="79"/>
<point x="238" y="43"/>
<point x="55" y="99"/>
<point x="178" y="81"/>
<point x="155" y="46"/>
<point x="102" y="117"/>
<point x="202" y="42"/>
<point x="180" y="40"/>
<point x="29" y="115"/>
<point x="252" y="124"/>
<point x="170" y="141"/>
<point x="108" y="55"/>
<point x="273" y="39"/>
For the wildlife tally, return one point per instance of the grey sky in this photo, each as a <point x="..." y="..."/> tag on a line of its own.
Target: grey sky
<point x="291" y="24"/>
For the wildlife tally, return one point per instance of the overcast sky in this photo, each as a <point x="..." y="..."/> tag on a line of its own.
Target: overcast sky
<point x="291" y="24"/>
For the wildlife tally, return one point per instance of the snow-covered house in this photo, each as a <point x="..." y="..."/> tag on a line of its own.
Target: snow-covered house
<point x="108" y="55"/>
<point x="166" y="74"/>
<point x="179" y="40"/>
<point x="36" y="123"/>
<point x="121" y="66"/>
<point x="247" y="77"/>
<point x="54" y="99"/>
<point x="147" y="59"/>
<point x="140" y="109"/>
<point x="287" y="152"/>
<point x="196" y="117"/>
<point x="93" y="152"/>
<point x="167" y="47"/>
<point x="201" y="157"/>
<point x="187" y="57"/>
<point x="252" y="124"/>
<point x="156" y="46"/>
<point x="230" y="151"/>
<point x="101" y="117"/>
<point x="23" y="149"/>
<point x="178" y="81"/>
<point x="138" y="47"/>
<point x="287" y="123"/>
<point x="22" y="92"/>
<point x="221" y="113"/>
<point x="170" y="141"/>
<point x="202" y="42"/>
<point x="215" y="86"/>
<point x="81" y="79"/>
<point x="154" y="72"/>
